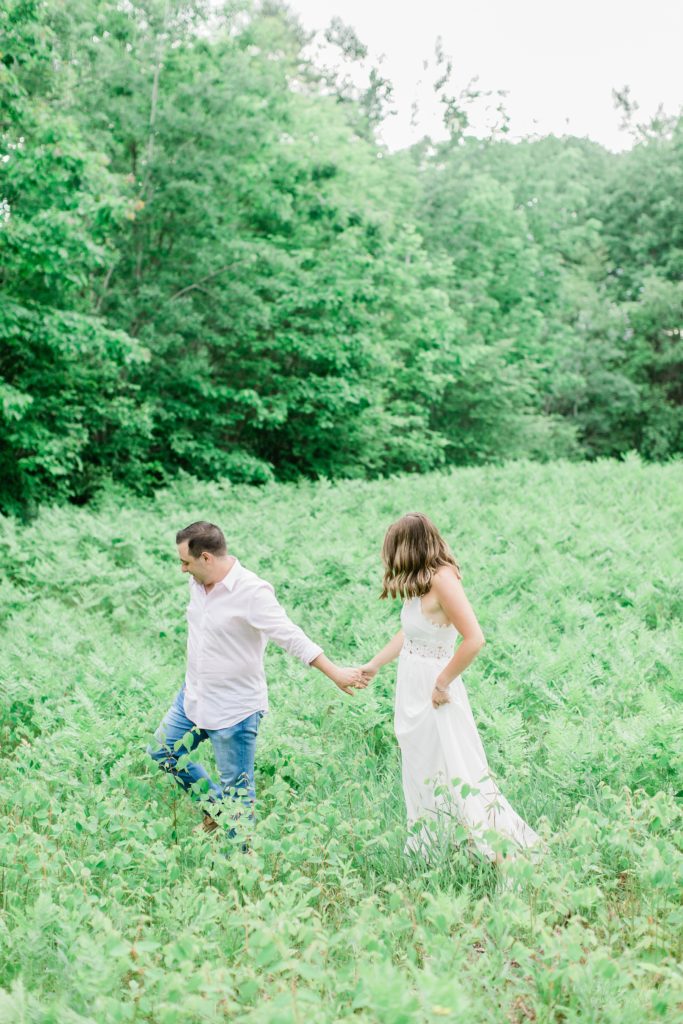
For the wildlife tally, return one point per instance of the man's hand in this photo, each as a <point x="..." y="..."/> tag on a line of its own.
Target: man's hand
<point x="349" y="679"/>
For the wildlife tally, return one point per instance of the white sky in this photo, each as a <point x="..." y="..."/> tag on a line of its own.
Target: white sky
<point x="559" y="62"/>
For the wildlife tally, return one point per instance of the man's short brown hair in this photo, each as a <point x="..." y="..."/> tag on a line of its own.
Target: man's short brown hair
<point x="203" y="536"/>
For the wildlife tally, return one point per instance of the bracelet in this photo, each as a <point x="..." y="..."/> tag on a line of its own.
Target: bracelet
<point x="441" y="688"/>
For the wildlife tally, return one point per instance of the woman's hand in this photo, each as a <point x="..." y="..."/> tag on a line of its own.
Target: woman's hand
<point x="439" y="695"/>
<point x="369" y="671"/>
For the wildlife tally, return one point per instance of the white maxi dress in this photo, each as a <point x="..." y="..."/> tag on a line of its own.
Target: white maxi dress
<point x="445" y="774"/>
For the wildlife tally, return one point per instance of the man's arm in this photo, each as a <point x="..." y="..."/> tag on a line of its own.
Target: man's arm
<point x="266" y="614"/>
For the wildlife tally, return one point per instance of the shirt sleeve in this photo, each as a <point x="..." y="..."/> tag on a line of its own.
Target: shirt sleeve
<point x="265" y="613"/>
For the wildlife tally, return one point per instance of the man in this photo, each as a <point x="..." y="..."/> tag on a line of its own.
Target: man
<point x="231" y="615"/>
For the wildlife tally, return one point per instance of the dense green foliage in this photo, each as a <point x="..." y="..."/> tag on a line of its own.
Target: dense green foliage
<point x="570" y="261"/>
<point x="200" y="231"/>
<point x="113" y="909"/>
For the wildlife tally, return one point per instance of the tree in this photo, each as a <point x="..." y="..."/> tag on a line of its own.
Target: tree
<point x="262" y="267"/>
<point x="69" y="413"/>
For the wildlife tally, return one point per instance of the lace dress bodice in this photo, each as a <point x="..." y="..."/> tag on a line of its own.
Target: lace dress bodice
<point x="422" y="637"/>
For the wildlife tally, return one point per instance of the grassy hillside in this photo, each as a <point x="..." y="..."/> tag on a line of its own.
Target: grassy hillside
<point x="115" y="910"/>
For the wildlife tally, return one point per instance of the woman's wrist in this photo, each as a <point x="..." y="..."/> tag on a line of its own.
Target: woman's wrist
<point x="442" y="684"/>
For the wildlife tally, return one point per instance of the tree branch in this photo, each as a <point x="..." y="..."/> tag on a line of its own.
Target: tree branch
<point x="202" y="280"/>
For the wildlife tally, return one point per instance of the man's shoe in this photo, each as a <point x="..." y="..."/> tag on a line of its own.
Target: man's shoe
<point x="208" y="824"/>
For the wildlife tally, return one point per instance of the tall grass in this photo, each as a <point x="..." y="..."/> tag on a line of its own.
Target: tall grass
<point x="113" y="908"/>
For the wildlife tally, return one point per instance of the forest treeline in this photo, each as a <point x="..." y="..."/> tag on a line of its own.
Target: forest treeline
<point x="209" y="263"/>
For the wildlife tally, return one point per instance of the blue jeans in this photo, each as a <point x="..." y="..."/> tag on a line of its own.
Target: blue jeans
<point x="233" y="747"/>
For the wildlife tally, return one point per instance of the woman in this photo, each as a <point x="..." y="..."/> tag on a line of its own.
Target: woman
<point x="446" y="779"/>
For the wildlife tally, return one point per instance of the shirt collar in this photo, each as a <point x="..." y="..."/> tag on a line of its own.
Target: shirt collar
<point x="233" y="575"/>
<point x="228" y="581"/>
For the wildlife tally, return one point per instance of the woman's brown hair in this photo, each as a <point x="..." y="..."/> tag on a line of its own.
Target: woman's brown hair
<point x="413" y="550"/>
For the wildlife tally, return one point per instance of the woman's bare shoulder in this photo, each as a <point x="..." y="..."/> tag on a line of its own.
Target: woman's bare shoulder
<point x="444" y="577"/>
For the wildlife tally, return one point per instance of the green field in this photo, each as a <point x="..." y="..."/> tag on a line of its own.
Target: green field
<point x="114" y="909"/>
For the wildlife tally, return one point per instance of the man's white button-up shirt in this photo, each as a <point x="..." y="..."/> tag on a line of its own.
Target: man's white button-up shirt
<point x="228" y="629"/>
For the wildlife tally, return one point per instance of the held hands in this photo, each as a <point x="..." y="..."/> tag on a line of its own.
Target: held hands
<point x="349" y="679"/>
